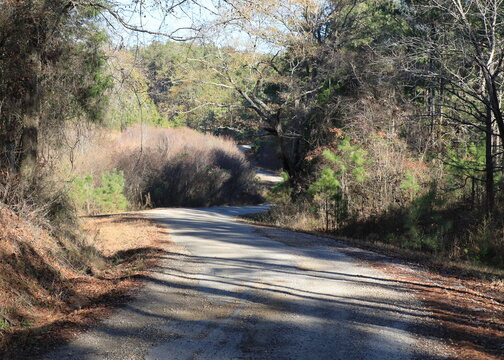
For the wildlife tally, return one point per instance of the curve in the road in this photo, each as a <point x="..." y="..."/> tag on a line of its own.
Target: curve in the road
<point x="226" y="292"/>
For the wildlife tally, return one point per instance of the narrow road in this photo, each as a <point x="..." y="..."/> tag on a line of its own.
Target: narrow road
<point x="227" y="292"/>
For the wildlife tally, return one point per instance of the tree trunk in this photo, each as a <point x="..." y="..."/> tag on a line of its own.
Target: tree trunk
<point x="327" y="214"/>
<point x="31" y="120"/>
<point x="28" y="148"/>
<point x="489" y="163"/>
<point x="494" y="103"/>
<point x="284" y="154"/>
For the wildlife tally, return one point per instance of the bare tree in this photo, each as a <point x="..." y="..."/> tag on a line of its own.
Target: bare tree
<point x="464" y="44"/>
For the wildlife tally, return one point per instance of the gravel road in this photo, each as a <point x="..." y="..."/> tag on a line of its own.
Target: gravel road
<point x="226" y="291"/>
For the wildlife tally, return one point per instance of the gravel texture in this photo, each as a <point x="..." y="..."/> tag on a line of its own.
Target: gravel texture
<point x="227" y="291"/>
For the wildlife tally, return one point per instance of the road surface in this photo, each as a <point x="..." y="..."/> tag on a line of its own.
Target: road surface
<point x="227" y="292"/>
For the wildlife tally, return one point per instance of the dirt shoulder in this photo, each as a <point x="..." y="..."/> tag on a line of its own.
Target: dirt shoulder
<point x="468" y="308"/>
<point x="127" y="244"/>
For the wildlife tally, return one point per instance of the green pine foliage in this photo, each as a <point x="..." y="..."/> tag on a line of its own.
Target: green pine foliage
<point x="410" y="185"/>
<point x="281" y="193"/>
<point x="107" y="197"/>
<point x="326" y="193"/>
<point x="331" y="192"/>
<point x="326" y="187"/>
<point x="351" y="160"/>
<point x="110" y="195"/>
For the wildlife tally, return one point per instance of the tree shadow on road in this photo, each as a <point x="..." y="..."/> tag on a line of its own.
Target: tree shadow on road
<point x="267" y="322"/>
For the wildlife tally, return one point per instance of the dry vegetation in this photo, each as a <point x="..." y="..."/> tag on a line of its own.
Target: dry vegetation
<point x="170" y="167"/>
<point x="47" y="292"/>
<point x="58" y="272"/>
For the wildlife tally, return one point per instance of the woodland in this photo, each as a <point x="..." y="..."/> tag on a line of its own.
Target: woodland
<point x="385" y="116"/>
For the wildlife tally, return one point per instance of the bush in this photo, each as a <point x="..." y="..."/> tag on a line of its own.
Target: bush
<point x="106" y="198"/>
<point x="170" y="167"/>
<point x="281" y="193"/>
<point x="110" y="195"/>
<point x="326" y="192"/>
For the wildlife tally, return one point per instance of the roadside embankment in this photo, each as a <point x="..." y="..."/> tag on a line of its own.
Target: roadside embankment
<point x="51" y="288"/>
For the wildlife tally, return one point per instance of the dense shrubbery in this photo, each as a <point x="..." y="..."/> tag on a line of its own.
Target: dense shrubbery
<point x="430" y="225"/>
<point x="164" y="167"/>
<point x="379" y="192"/>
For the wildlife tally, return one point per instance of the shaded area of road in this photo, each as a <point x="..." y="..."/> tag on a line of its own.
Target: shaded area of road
<point x="226" y="292"/>
<point x="266" y="177"/>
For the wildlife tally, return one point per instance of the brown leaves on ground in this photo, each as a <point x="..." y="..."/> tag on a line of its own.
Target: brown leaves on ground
<point x="45" y="299"/>
<point x="469" y="312"/>
<point x="467" y="305"/>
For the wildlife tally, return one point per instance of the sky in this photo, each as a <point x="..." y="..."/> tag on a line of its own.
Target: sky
<point x="152" y="18"/>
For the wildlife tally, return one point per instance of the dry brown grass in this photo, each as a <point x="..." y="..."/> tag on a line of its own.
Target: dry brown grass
<point x="32" y="274"/>
<point x="45" y="298"/>
<point x="112" y="234"/>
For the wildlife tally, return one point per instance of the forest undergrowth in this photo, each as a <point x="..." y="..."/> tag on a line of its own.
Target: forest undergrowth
<point x="379" y="192"/>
